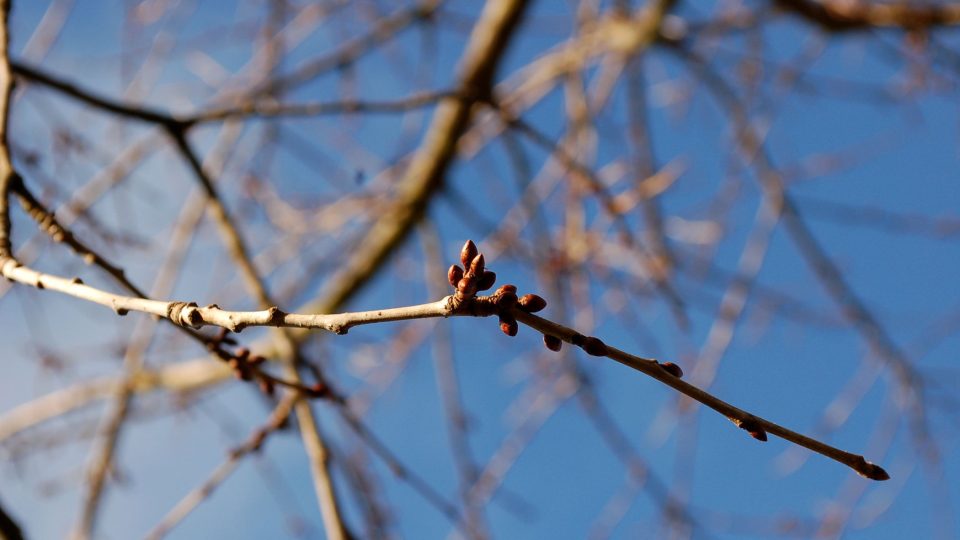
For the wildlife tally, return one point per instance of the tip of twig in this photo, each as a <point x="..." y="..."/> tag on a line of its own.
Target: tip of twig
<point x="872" y="471"/>
<point x="467" y="253"/>
<point x="532" y="303"/>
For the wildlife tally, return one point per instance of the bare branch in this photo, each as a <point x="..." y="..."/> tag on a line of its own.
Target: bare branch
<point x="841" y="16"/>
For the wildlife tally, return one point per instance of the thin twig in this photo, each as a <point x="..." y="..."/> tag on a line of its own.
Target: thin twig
<point x="742" y="419"/>
<point x="455" y="305"/>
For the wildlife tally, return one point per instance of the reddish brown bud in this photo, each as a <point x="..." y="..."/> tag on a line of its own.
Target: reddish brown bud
<point x="467" y="286"/>
<point x="506" y="300"/>
<point x="266" y="386"/>
<point x="672" y="369"/>
<point x="486" y="280"/>
<point x="454" y="275"/>
<point x="478" y="265"/>
<point x="468" y="252"/>
<point x="532" y="303"/>
<point x="552" y="342"/>
<point x="507" y="288"/>
<point x="594" y="347"/>
<point x="509" y="326"/>
<point x="242" y="353"/>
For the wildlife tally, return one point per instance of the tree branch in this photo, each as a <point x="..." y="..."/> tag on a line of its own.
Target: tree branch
<point x="844" y="16"/>
<point x="467" y="280"/>
<point x="7" y="173"/>
<point x="424" y="176"/>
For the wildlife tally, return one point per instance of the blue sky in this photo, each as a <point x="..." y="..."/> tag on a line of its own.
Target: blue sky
<point x="788" y="359"/>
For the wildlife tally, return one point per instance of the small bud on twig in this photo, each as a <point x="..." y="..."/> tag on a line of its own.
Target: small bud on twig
<point x="467" y="286"/>
<point x="753" y="429"/>
<point x="552" y="342"/>
<point x="532" y="303"/>
<point x="594" y="347"/>
<point x="506" y="300"/>
<point x="509" y="326"/>
<point x="468" y="252"/>
<point x="486" y="280"/>
<point x="672" y="369"/>
<point x="454" y="275"/>
<point x="477" y="265"/>
<point x="506" y="288"/>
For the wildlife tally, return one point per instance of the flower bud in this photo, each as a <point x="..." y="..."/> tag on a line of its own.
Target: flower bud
<point x="509" y="326"/>
<point x="468" y="252"/>
<point x="672" y="369"/>
<point x="486" y="280"/>
<point x="506" y="288"/>
<point x="532" y="303"/>
<point x="477" y="265"/>
<point x="552" y="342"/>
<point x="594" y="347"/>
<point x="467" y="286"/>
<point x="506" y="300"/>
<point x="454" y="275"/>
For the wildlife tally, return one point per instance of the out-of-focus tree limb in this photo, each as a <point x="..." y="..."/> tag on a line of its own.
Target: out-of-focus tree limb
<point x="425" y="175"/>
<point x="7" y="174"/>
<point x="844" y="16"/>
<point x="9" y="530"/>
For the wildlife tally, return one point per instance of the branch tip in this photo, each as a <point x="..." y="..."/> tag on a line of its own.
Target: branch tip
<point x="532" y="303"/>
<point x="871" y="471"/>
<point x="467" y="253"/>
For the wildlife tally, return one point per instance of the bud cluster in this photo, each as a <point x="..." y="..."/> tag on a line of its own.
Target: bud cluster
<point x="473" y="277"/>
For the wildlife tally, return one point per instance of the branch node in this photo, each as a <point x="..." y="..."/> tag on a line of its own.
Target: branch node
<point x="119" y="310"/>
<point x="752" y="427"/>
<point x="191" y="317"/>
<point x="276" y="315"/>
